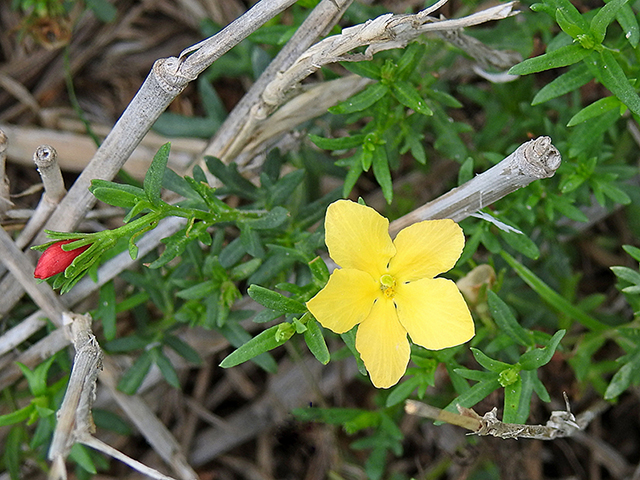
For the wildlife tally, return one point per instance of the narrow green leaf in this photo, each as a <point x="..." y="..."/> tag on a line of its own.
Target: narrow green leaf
<point x="106" y="311"/>
<point x="381" y="172"/>
<point x="633" y="251"/>
<point x="521" y="243"/>
<point x="362" y="100"/>
<point x="12" y="452"/>
<point x="275" y="301"/>
<point x="597" y="108"/>
<point x="567" y="55"/>
<point x="80" y="454"/>
<point x="402" y="391"/>
<point x="407" y="95"/>
<point x="478" y="392"/>
<point x="512" y="395"/>
<point x="155" y="174"/>
<point x="364" y="69"/>
<point x="551" y="296"/>
<point x="567" y="82"/>
<point x="507" y="322"/>
<point x="17" y="416"/>
<point x="623" y="378"/>
<point x="625" y="273"/>
<point x="488" y="362"/>
<point x="540" y="356"/>
<point x="568" y="26"/>
<point x="273" y="219"/>
<point x="604" y="17"/>
<point x="627" y="20"/>
<point x="315" y="341"/>
<point x="572" y="14"/>
<point x="476" y="375"/>
<point x="167" y="369"/>
<point x="610" y="74"/>
<point x="261" y="343"/>
<point x="319" y="270"/>
<point x="538" y="386"/>
<point x="339" y="143"/>
<point x="132" y="379"/>
<point x="183" y="349"/>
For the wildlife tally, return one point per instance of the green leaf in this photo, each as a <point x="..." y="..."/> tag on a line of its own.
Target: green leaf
<point x="604" y="17"/>
<point x="362" y="100"/>
<point x="562" y="57"/>
<point x="507" y="322"/>
<point x="282" y="191"/>
<point x="273" y="219"/>
<point x="381" y="172"/>
<point x="167" y="369"/>
<point x="364" y="69"/>
<point x="608" y="72"/>
<point x="633" y="251"/>
<point x="627" y="20"/>
<point x="237" y="337"/>
<point x="319" y="270"/>
<point x="540" y="356"/>
<point x="488" y="362"/>
<point x="275" y="301"/>
<point x="37" y="378"/>
<point x="567" y="26"/>
<point x="315" y="341"/>
<point x="569" y="81"/>
<point x="572" y="14"/>
<point x="597" y="108"/>
<point x="118" y="195"/>
<point x="551" y="296"/>
<point x="476" y="375"/>
<point x="106" y="311"/>
<point x="402" y="391"/>
<point x="478" y="392"/>
<point x="18" y="416"/>
<point x="623" y="377"/>
<point x="183" y="349"/>
<point x="132" y="379"/>
<point x="12" y="452"/>
<point x="231" y="178"/>
<point x="625" y="273"/>
<point x="155" y="174"/>
<point x="349" y="339"/>
<point x="512" y="396"/>
<point x="80" y="454"/>
<point x="407" y="95"/>
<point x="261" y="343"/>
<point x="521" y="243"/>
<point x="339" y="143"/>
<point x="409" y="60"/>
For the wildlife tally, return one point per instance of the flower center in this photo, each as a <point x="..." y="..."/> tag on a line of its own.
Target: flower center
<point x="388" y="285"/>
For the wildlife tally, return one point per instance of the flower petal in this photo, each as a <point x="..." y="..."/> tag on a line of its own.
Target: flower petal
<point x="383" y="345"/>
<point x="358" y="237"/>
<point x="434" y="313"/>
<point x="345" y="301"/>
<point x="426" y="249"/>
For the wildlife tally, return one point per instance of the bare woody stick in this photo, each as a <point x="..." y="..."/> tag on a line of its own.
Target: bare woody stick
<point x="5" y="202"/>
<point x="562" y="423"/>
<point x="533" y="160"/>
<point x="74" y="419"/>
<point x="322" y="18"/>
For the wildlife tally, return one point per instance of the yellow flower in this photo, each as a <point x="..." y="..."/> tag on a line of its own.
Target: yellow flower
<point x="388" y="288"/>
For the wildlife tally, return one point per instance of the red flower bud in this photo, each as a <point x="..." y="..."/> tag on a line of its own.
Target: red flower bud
<point x="55" y="260"/>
